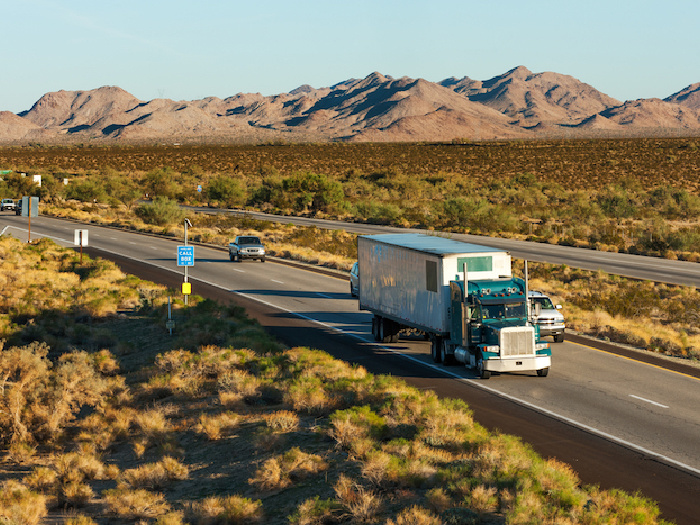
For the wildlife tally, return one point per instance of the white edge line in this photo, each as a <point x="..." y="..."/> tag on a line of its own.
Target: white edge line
<point x="472" y="382"/>
<point x="37" y="234"/>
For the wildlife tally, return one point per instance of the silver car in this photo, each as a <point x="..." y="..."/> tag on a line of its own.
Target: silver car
<point x="354" y="280"/>
<point x="246" y="247"/>
<point x="547" y="316"/>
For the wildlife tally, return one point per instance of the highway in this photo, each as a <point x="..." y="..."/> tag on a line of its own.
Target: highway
<point x="618" y="421"/>
<point x="635" y="266"/>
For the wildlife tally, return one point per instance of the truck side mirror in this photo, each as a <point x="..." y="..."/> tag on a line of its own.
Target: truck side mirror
<point x="558" y="307"/>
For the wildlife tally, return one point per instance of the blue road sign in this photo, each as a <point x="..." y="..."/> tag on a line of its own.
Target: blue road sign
<point x="185" y="255"/>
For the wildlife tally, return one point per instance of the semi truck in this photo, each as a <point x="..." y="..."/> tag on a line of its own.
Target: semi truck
<point x="461" y="296"/>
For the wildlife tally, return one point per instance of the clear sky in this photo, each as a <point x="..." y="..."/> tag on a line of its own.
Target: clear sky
<point x="181" y="50"/>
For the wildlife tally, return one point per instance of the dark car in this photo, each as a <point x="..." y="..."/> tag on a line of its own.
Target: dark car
<point x="18" y="207"/>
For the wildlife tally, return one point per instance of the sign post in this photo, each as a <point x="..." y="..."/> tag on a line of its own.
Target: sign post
<point x="185" y="257"/>
<point x="30" y="208"/>
<point x="81" y="239"/>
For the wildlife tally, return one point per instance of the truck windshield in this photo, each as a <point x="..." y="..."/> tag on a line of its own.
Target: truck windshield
<point x="544" y="302"/>
<point x="248" y="240"/>
<point x="503" y="310"/>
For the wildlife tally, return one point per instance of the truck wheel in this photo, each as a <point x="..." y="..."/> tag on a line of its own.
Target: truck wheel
<point x="263" y="259"/>
<point x="230" y="257"/>
<point x="559" y="338"/>
<point x="435" y="352"/>
<point x="483" y="373"/>
<point x="543" y="372"/>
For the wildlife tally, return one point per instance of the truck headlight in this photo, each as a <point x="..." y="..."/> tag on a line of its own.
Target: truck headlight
<point x="491" y="348"/>
<point x="541" y="346"/>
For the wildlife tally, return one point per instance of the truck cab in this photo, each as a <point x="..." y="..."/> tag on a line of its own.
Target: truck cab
<point x="490" y="329"/>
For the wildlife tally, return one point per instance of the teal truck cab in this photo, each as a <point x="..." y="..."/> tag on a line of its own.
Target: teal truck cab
<point x="490" y="329"/>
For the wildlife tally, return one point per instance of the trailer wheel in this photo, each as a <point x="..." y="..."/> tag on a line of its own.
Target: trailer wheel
<point x="543" y="372"/>
<point x="376" y="320"/>
<point x="385" y="333"/>
<point x="448" y="359"/>
<point x="483" y="373"/>
<point x="435" y="349"/>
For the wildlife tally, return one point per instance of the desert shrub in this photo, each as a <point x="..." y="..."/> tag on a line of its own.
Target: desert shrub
<point x="75" y="494"/>
<point x="282" y="421"/>
<point x="18" y="504"/>
<point x="87" y="190"/>
<point x="315" y="511"/>
<point x="161" y="212"/>
<point x="154" y="475"/>
<point x="415" y="515"/>
<point x="38" y="399"/>
<point x="77" y="466"/>
<point x="379" y="212"/>
<point x="135" y="503"/>
<point x="41" y="478"/>
<point x="283" y="470"/>
<point x="360" y="503"/>
<point x="307" y="394"/>
<point x="213" y="425"/>
<point x="438" y="499"/>
<point x="161" y="183"/>
<point x="356" y="422"/>
<point x="80" y="520"/>
<point x="226" y="190"/>
<point x="236" y="510"/>
<point x="472" y="213"/>
<point x="313" y="191"/>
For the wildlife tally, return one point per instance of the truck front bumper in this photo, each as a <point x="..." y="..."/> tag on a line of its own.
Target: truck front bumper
<point x="551" y="329"/>
<point x="518" y="364"/>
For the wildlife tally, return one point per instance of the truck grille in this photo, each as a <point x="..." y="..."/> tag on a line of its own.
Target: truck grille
<point x="517" y="340"/>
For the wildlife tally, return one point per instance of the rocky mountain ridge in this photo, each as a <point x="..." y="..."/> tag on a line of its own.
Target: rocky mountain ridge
<point x="516" y="104"/>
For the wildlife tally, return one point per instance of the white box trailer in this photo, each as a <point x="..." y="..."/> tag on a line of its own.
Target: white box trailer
<point x="406" y="277"/>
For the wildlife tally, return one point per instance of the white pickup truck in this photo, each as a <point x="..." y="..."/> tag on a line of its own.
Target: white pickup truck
<point x="7" y="204"/>
<point x="246" y="247"/>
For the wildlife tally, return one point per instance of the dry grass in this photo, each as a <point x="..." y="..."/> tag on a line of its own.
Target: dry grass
<point x="415" y="516"/>
<point x="214" y="425"/>
<point x="282" y="421"/>
<point x="236" y="510"/>
<point x="154" y="475"/>
<point x="135" y="503"/>
<point x="360" y="504"/>
<point x="282" y="471"/>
